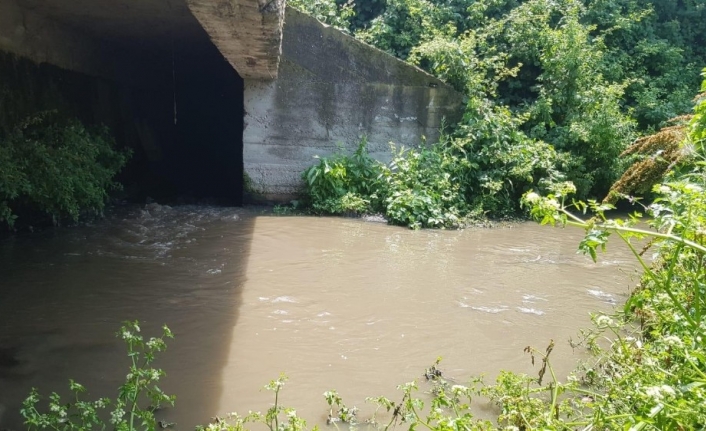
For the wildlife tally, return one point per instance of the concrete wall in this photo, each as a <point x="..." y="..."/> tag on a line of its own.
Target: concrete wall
<point x="331" y="91"/>
<point x="28" y="34"/>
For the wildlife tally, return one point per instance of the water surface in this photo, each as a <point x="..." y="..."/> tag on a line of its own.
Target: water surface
<point x="333" y="303"/>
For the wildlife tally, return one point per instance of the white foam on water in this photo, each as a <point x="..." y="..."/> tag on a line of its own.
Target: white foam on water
<point x="530" y="311"/>
<point x="491" y="310"/>
<point x="284" y="299"/>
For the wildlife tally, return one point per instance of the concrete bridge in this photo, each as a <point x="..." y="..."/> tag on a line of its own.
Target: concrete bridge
<point x="214" y="91"/>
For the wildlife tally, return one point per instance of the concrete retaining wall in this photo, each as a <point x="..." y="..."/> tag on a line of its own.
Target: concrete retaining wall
<point x="331" y="91"/>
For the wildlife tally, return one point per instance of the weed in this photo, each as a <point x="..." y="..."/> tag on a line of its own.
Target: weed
<point x="134" y="406"/>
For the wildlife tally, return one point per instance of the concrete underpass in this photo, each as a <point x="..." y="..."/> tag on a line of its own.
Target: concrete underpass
<point x="209" y="92"/>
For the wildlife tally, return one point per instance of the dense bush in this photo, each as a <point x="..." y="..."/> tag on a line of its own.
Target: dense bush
<point x="425" y="187"/>
<point x="56" y="167"/>
<point x="584" y="77"/>
<point x="342" y="183"/>
<point x="481" y="169"/>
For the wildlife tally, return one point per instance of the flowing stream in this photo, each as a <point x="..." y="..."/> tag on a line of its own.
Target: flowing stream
<point x="334" y="303"/>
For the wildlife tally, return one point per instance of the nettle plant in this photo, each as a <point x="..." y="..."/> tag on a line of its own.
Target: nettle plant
<point x="133" y="409"/>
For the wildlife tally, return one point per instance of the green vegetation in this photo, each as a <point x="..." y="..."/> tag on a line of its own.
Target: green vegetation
<point x="56" y="166"/>
<point x="126" y="414"/>
<point x="340" y="183"/>
<point x="647" y="372"/>
<point x="327" y="11"/>
<point x="556" y="90"/>
<point x="653" y="375"/>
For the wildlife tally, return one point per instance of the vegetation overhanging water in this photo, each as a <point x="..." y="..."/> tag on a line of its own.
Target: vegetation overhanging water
<point x="556" y="93"/>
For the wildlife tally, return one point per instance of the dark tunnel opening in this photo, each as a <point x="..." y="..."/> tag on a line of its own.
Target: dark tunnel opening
<point x="208" y="153"/>
<point x="171" y="97"/>
<point x="190" y="131"/>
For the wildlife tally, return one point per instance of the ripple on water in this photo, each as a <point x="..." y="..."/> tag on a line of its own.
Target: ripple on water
<point x="607" y="298"/>
<point x="531" y="299"/>
<point x="534" y="311"/>
<point x="485" y="309"/>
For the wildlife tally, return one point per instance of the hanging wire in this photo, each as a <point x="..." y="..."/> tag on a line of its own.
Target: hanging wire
<point x="174" y="83"/>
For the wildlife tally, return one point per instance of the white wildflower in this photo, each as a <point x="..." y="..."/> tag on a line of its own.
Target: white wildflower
<point x="116" y="415"/>
<point x="658" y="393"/>
<point x="532" y="197"/>
<point x="603" y="321"/>
<point x="459" y="389"/>
<point x="673" y="340"/>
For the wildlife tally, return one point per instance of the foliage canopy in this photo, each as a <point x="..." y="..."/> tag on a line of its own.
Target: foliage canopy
<point x="556" y="90"/>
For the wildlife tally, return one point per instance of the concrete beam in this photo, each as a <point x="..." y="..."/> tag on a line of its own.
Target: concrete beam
<point x="56" y="32"/>
<point x="247" y="32"/>
<point x="31" y="35"/>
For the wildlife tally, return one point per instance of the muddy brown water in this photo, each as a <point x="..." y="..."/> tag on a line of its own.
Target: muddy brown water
<point x="334" y="303"/>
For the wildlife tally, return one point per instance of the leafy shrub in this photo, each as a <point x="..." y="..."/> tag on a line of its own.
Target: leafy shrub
<point x="342" y="183"/>
<point x="505" y="162"/>
<point x="425" y="188"/>
<point x="482" y="168"/>
<point x="57" y="167"/>
<point x="402" y="26"/>
<point x="577" y="110"/>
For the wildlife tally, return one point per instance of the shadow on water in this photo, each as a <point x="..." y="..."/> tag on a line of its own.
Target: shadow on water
<point x="64" y="294"/>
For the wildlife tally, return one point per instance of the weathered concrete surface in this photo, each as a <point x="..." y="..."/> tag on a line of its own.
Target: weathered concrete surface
<point x="247" y="32"/>
<point x="126" y="38"/>
<point x="331" y="91"/>
<point x="96" y="40"/>
<point x="147" y="24"/>
<point x="32" y="35"/>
